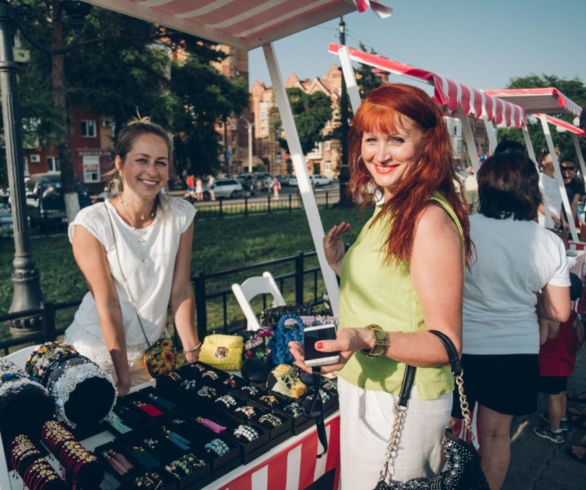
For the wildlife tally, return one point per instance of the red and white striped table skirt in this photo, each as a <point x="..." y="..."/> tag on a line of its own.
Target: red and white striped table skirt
<point x="292" y="465"/>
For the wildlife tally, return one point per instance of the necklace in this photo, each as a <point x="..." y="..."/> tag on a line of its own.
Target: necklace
<point x="142" y="217"/>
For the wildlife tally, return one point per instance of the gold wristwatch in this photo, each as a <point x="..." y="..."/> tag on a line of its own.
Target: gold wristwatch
<point x="380" y="342"/>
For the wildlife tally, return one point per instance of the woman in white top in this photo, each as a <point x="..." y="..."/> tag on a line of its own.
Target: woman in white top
<point x="520" y="271"/>
<point x="149" y="236"/>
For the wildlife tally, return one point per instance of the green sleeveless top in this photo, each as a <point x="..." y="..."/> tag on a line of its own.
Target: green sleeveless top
<point x="375" y="291"/>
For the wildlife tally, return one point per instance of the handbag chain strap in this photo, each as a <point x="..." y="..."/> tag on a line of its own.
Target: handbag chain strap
<point x="124" y="277"/>
<point x="401" y="408"/>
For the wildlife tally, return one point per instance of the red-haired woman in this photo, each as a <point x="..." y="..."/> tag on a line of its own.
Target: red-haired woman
<point x="402" y="277"/>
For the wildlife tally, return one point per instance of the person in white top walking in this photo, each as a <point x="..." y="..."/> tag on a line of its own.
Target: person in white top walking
<point x="519" y="271"/>
<point x="151" y="234"/>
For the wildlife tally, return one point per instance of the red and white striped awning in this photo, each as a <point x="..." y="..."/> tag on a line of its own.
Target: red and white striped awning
<point x="545" y="100"/>
<point x="245" y="24"/>
<point x="563" y="124"/>
<point x="447" y="91"/>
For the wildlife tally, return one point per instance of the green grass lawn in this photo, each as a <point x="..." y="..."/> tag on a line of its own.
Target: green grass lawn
<point x="218" y="244"/>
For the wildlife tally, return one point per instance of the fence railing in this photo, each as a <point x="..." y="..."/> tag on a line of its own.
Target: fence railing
<point x="216" y="307"/>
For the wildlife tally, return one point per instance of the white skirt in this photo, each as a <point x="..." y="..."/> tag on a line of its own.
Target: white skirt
<point x="366" y="420"/>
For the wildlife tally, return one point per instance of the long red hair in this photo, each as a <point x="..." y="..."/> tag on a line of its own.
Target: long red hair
<point x="381" y="111"/>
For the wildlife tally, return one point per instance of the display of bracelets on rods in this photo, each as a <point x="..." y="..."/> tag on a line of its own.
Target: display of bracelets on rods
<point x="270" y="419"/>
<point x="39" y="474"/>
<point x="217" y="446"/>
<point x="185" y="465"/>
<point x="22" y="448"/>
<point x="246" y="432"/>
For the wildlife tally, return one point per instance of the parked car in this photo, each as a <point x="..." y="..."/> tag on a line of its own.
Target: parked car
<point x="317" y="180"/>
<point x="225" y="188"/>
<point x="45" y="202"/>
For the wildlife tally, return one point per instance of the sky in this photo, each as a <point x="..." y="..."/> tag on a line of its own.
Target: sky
<point x="482" y="44"/>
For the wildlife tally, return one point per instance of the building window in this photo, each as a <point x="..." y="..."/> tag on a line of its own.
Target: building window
<point x="328" y="145"/>
<point x="53" y="164"/>
<point x="233" y="139"/>
<point x="91" y="169"/>
<point x="328" y="166"/>
<point x="88" y="129"/>
<point x="264" y="116"/>
<point x="233" y="124"/>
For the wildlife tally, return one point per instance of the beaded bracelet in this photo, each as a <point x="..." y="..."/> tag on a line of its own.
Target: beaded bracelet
<point x="251" y="390"/>
<point x="217" y="446"/>
<point x="185" y="465"/>
<point x="227" y="400"/>
<point x="231" y="381"/>
<point x="210" y="374"/>
<point x="188" y="384"/>
<point x="247" y="411"/>
<point x="207" y="392"/>
<point x="270" y="419"/>
<point x="245" y="432"/>
<point x="269" y="400"/>
<point x="294" y="408"/>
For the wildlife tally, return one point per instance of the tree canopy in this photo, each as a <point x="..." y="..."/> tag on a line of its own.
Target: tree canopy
<point x="123" y="67"/>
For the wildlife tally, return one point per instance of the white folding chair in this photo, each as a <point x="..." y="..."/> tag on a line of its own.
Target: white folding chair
<point x="20" y="356"/>
<point x="251" y="287"/>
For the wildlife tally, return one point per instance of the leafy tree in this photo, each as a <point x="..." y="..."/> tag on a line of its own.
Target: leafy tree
<point x="366" y="78"/>
<point x="311" y="113"/>
<point x="123" y="67"/>
<point x="573" y="88"/>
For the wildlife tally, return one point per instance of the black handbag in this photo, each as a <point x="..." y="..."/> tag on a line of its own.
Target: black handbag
<point x="462" y="468"/>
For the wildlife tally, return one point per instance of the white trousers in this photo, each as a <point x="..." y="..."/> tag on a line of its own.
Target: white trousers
<point x="366" y="420"/>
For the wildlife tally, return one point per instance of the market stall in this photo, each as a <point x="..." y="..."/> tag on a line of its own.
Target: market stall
<point x="542" y="102"/>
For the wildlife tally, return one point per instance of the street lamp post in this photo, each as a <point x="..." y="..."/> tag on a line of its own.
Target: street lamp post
<point x="25" y="277"/>
<point x="249" y="125"/>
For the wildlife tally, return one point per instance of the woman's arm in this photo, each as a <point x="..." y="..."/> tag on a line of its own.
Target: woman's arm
<point x="334" y="246"/>
<point x="554" y="303"/>
<point x="183" y="299"/>
<point x="91" y="258"/>
<point x="437" y="272"/>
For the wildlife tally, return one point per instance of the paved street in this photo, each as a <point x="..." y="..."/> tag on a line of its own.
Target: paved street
<point x="537" y="464"/>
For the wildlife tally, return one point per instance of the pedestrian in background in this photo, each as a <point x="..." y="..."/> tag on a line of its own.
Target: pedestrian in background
<point x="210" y="183"/>
<point x="557" y="360"/>
<point x="276" y="185"/>
<point x="519" y="270"/>
<point x="574" y="187"/>
<point x="199" y="189"/>
<point x="551" y="193"/>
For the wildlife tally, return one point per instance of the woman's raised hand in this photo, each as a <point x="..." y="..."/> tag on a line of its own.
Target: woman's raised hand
<point x="334" y="246"/>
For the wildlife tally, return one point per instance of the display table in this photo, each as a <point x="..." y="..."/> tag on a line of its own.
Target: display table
<point x="290" y="461"/>
<point x="290" y="465"/>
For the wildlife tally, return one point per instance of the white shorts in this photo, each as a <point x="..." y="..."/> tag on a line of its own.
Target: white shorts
<point x="366" y="419"/>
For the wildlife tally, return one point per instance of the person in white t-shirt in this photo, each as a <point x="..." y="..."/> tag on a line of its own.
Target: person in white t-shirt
<point x="519" y="271"/>
<point x="135" y="254"/>
<point x="551" y="191"/>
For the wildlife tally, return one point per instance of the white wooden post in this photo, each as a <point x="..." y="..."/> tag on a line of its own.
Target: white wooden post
<point x="491" y="133"/>
<point x="350" y="78"/>
<point x="469" y="137"/>
<point x="580" y="156"/>
<point x="559" y="179"/>
<point x="305" y="189"/>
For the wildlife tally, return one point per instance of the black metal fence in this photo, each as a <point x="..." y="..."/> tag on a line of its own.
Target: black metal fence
<point x="216" y="307"/>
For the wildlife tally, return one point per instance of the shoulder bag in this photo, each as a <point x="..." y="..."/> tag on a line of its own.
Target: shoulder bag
<point x="462" y="470"/>
<point x="160" y="357"/>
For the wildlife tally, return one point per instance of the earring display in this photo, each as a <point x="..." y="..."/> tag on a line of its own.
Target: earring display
<point x="117" y="461"/>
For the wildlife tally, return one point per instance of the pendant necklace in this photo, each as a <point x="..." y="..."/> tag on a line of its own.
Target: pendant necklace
<point x="142" y="217"/>
<point x="140" y="234"/>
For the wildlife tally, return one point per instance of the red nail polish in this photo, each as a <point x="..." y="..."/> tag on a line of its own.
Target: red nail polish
<point x="319" y="345"/>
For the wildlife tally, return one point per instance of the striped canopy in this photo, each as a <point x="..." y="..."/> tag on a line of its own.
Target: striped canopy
<point x="563" y="124"/>
<point x="245" y="24"/>
<point x="545" y="100"/>
<point x="446" y="91"/>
